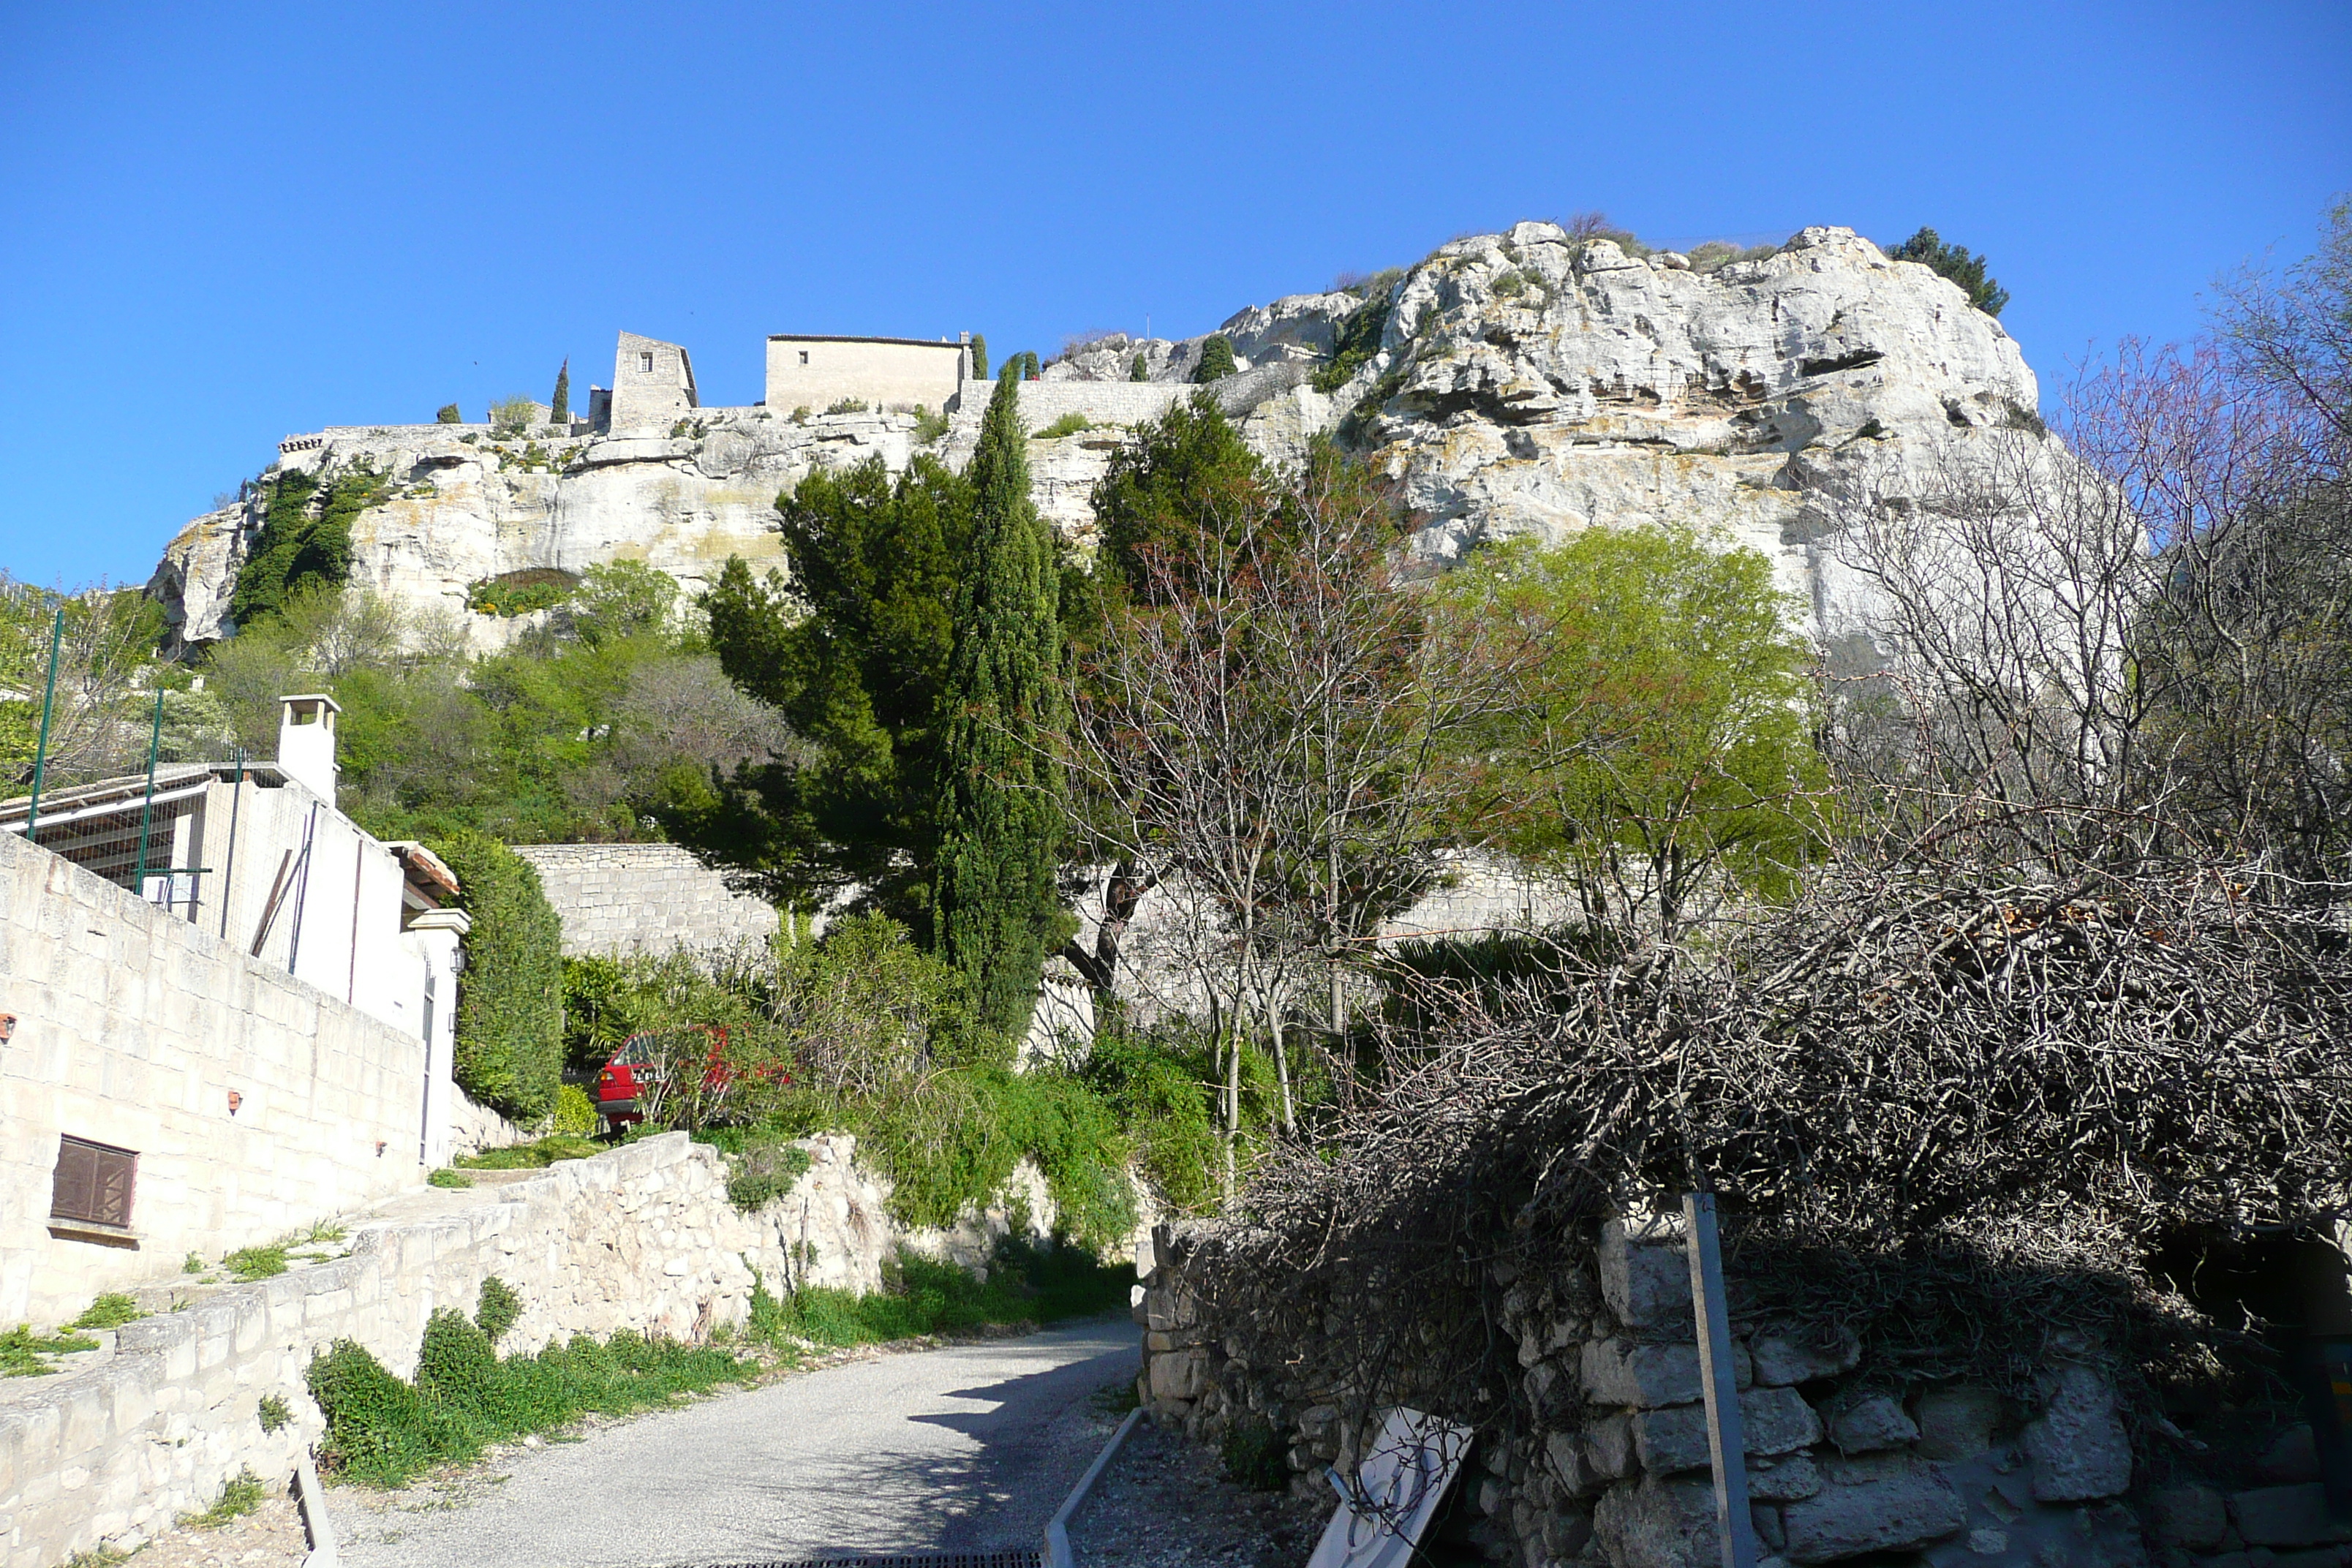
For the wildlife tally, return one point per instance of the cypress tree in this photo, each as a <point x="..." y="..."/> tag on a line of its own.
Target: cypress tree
<point x="560" y="410"/>
<point x="1216" y="360"/>
<point x="1139" y="370"/>
<point x="999" y="816"/>
<point x="978" y="357"/>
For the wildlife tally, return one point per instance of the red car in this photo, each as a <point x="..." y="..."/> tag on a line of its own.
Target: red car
<point x="624" y="1082"/>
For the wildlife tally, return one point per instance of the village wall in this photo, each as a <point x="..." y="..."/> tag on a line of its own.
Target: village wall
<point x="642" y="1238"/>
<point x="815" y="373"/>
<point x="1603" y="1455"/>
<point x="620" y="898"/>
<point x="255" y="1102"/>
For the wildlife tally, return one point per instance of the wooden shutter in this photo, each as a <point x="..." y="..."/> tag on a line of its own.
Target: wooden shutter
<point x="94" y="1182"/>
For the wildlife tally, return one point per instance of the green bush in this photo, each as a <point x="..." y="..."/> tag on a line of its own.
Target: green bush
<point x="513" y="416"/>
<point x="536" y="1155"/>
<point x="294" y="548"/>
<point x="453" y="1180"/>
<point x="1068" y="425"/>
<point x="251" y="1263"/>
<point x="110" y="1311"/>
<point x="448" y="415"/>
<point x="1139" y="368"/>
<point x="24" y="1353"/>
<point x="1256" y="1456"/>
<point x="847" y="406"/>
<point x="1025" y="1284"/>
<point x="930" y="427"/>
<point x="1216" y="360"/>
<point x="274" y="1413"/>
<point x="239" y="1496"/>
<point x="575" y="1113"/>
<point x="1954" y="262"/>
<point x="495" y="1312"/>
<point x="383" y="1431"/>
<point x="511" y="1000"/>
<point x="1359" y="337"/>
<point x="511" y="594"/>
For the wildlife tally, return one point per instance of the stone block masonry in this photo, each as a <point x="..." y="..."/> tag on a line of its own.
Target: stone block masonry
<point x="250" y="1102"/>
<point x="643" y="1238"/>
<point x="620" y="898"/>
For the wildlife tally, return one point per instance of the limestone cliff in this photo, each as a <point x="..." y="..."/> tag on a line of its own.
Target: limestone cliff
<point x="1525" y="382"/>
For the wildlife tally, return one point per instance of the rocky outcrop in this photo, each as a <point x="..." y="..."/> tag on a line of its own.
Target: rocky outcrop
<point x="1525" y="383"/>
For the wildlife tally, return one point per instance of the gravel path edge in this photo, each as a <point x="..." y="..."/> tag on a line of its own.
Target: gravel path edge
<point x="1057" y="1529"/>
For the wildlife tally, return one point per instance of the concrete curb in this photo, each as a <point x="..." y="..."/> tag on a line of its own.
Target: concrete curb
<point x="1057" y="1529"/>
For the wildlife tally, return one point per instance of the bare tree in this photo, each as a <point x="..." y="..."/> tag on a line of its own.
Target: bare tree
<point x="1262" y="724"/>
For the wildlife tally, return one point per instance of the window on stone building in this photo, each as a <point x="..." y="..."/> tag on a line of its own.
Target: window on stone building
<point x="805" y="356"/>
<point x="93" y="1183"/>
<point x="645" y="365"/>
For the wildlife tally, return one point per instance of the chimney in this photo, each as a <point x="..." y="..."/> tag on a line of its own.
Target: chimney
<point x="306" y="741"/>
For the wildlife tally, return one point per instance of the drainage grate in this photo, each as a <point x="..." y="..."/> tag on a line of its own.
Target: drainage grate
<point x="1018" y="1559"/>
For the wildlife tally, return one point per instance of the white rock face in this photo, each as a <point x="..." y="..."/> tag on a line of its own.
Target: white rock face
<point x="1526" y="384"/>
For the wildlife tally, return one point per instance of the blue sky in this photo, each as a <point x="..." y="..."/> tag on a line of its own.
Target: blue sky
<point x="227" y="223"/>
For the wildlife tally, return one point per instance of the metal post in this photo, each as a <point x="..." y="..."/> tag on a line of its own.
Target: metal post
<point x="1726" y="1442"/>
<point x="48" y="700"/>
<point x="229" y="875"/>
<point x="147" y="808"/>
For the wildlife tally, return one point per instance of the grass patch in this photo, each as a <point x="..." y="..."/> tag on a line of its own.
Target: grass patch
<point x="453" y="1180"/>
<point x="533" y="1156"/>
<point x="1118" y="1398"/>
<point x="24" y="1353"/>
<point x="110" y="1311"/>
<point x="383" y="1431"/>
<point x="251" y="1263"/>
<point x="919" y="1296"/>
<point x="239" y="1498"/>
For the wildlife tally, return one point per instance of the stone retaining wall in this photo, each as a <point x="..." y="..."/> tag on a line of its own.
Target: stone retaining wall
<point x="620" y="898"/>
<point x="1607" y="1459"/>
<point x="115" y="1447"/>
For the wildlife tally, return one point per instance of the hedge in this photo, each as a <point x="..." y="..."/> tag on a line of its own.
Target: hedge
<point x="510" y="997"/>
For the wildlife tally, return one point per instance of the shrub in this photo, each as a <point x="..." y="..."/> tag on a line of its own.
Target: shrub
<point x="1216" y="360"/>
<point x="930" y="427"/>
<point x="296" y="549"/>
<point x="445" y="1177"/>
<point x="511" y="1000"/>
<point x="801" y="415"/>
<point x="448" y="415"/>
<point x="239" y="1496"/>
<point x="496" y="1311"/>
<point x="1954" y="262"/>
<point x="520" y="593"/>
<point x="1717" y="254"/>
<point x="513" y="416"/>
<point x="1139" y="368"/>
<point x="1256" y="1456"/>
<point x="1359" y="337"/>
<point x="919" y="1295"/>
<point x="273" y="1413"/>
<point x="251" y="1263"/>
<point x="534" y="1156"/>
<point x="24" y="1353"/>
<point x="575" y="1113"/>
<point x="193" y="1264"/>
<point x="383" y="1431"/>
<point x="1068" y="425"/>
<point x="848" y="406"/>
<point x="110" y="1311"/>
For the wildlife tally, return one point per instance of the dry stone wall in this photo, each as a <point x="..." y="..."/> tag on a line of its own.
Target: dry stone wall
<point x="620" y="898"/>
<point x="110" y="1451"/>
<point x="1605" y="1458"/>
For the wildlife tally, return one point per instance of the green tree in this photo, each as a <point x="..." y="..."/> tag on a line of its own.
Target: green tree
<point x="511" y="1000"/>
<point x="1955" y="263"/>
<point x="1139" y="368"/>
<point x="978" y="357"/>
<point x="1216" y="360"/>
<point x="852" y="642"/>
<point x="449" y="414"/>
<point x="1653" y="728"/>
<point x="513" y="416"/>
<point x="995" y="906"/>
<point x="559" y="409"/>
<point x="1180" y="476"/>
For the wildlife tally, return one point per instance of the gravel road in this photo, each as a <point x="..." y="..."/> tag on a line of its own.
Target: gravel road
<point x="970" y="1448"/>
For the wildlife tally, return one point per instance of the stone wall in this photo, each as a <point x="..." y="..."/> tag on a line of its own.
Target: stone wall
<point x="255" y="1102"/>
<point x="815" y="373"/>
<point x="643" y="1238"/>
<point x="621" y="899"/>
<point x="1602" y="1457"/>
